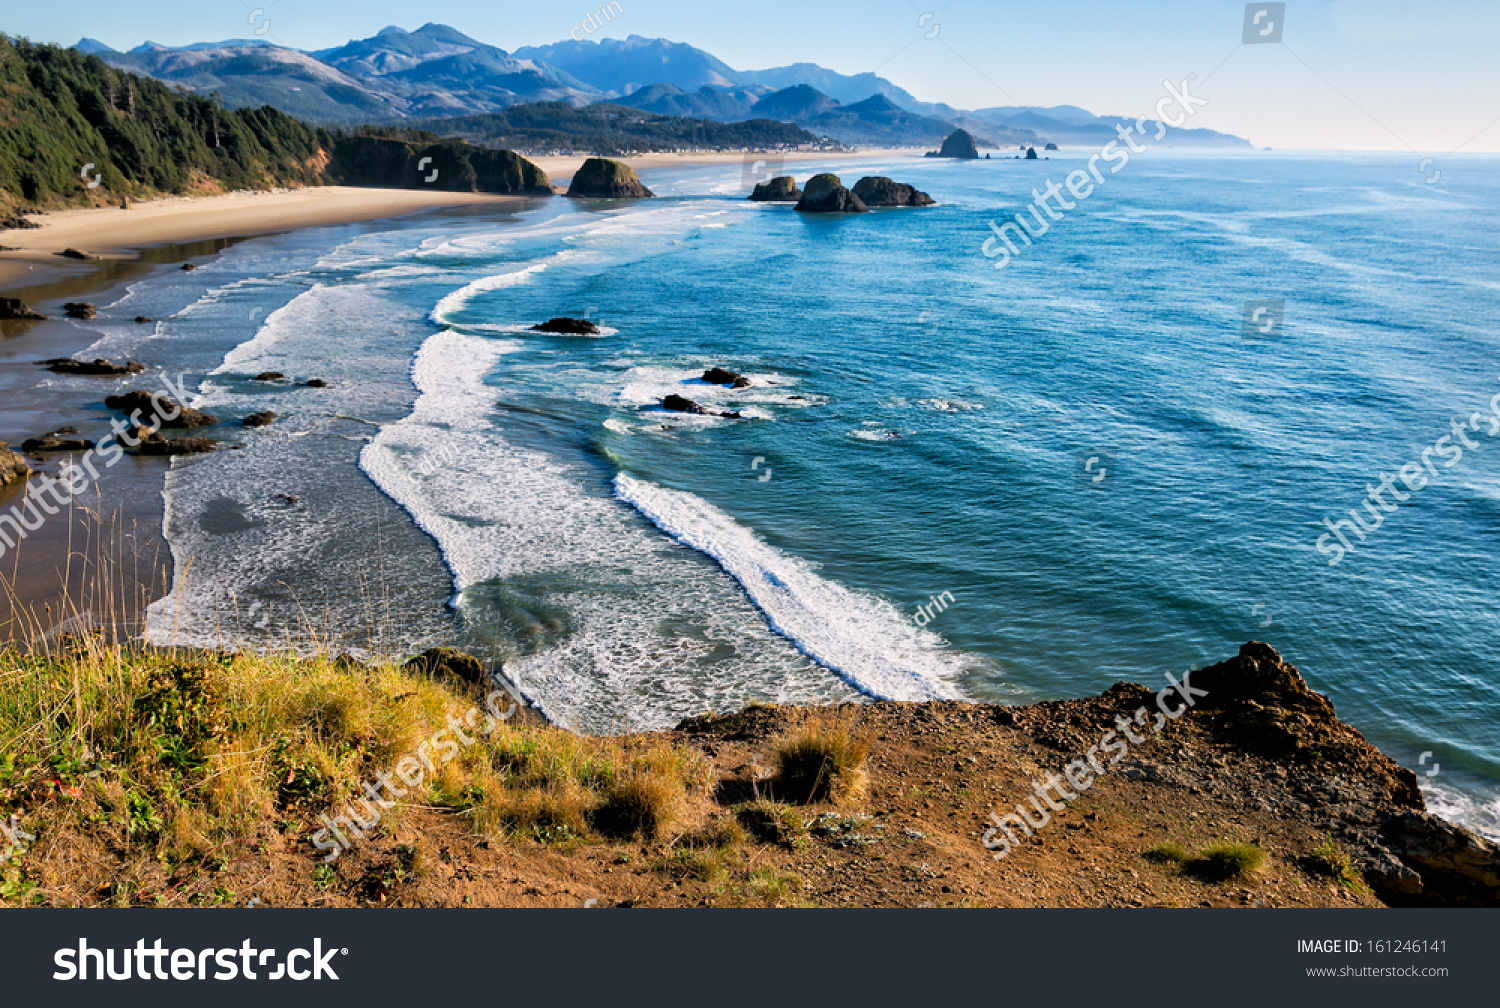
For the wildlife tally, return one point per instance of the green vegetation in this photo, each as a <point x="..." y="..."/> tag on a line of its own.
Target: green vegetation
<point x="1167" y="853"/>
<point x="1328" y="858"/>
<point x="61" y="110"/>
<point x="1225" y="861"/>
<point x="613" y="130"/>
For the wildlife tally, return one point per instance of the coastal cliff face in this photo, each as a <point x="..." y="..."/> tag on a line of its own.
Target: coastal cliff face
<point x="449" y="166"/>
<point x="1132" y="797"/>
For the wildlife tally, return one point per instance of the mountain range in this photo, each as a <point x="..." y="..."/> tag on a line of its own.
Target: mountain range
<point x="437" y="72"/>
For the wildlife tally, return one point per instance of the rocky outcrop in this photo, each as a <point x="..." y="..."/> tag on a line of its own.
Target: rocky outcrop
<point x="721" y="376"/>
<point x="571" y="326"/>
<point x="17" y="223"/>
<point x="155" y="405"/>
<point x="12" y="466"/>
<point x="51" y="443"/>
<point x="781" y="189"/>
<point x="142" y="318"/>
<point x="681" y="404"/>
<point x="80" y="310"/>
<point x="826" y="194"/>
<point x="97" y="366"/>
<point x="258" y="419"/>
<point x="443" y="661"/>
<point x="154" y="444"/>
<point x="187" y="267"/>
<point x="1030" y="154"/>
<point x="879" y="191"/>
<point x="73" y="253"/>
<point x="315" y="383"/>
<point x="15" y="308"/>
<point x="959" y="144"/>
<point x="270" y="376"/>
<point x="601" y="178"/>
<point x="449" y="165"/>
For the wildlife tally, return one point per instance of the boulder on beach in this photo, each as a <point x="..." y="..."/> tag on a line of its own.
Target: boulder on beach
<point x="12" y="466"/>
<point x="826" y="194"/>
<point x="601" y="178"/>
<point x="51" y="443"/>
<point x="877" y="190"/>
<point x="158" y="406"/>
<point x="258" y="419"/>
<point x="443" y="661"/>
<point x="15" y="308"/>
<point x="781" y="189"/>
<point x="959" y="144"/>
<point x="97" y="366"/>
<point x="155" y="444"/>
<point x="73" y="253"/>
<point x="80" y="310"/>
<point x="270" y="376"/>
<point x="722" y="376"/>
<point x="572" y="326"/>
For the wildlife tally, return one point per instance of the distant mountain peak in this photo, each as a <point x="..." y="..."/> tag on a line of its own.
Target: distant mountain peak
<point x="88" y="45"/>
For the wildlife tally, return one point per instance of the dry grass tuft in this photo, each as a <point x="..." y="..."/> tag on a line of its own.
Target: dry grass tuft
<point x="823" y="759"/>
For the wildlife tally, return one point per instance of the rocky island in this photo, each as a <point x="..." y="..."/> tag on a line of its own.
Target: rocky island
<point x="601" y="178"/>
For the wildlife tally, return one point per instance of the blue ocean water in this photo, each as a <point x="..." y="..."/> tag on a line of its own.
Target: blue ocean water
<point x="1109" y="474"/>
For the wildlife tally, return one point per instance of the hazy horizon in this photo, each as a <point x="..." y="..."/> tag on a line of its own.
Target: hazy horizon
<point x="1350" y="75"/>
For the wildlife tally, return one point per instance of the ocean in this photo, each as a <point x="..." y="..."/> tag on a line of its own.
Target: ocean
<point x="1109" y="460"/>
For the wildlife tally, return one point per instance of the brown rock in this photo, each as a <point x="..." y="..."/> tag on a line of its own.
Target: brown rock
<point x="73" y="253"/>
<point x="315" y="383"/>
<point x="826" y="194"/>
<point x="270" y="376"/>
<point x="721" y="376"/>
<point x="448" y="662"/>
<point x="15" y="308"/>
<point x="51" y="443"/>
<point x="258" y="419"/>
<point x="98" y="366"/>
<point x="12" y="466"/>
<point x="601" y="178"/>
<point x="80" y="310"/>
<point x="154" y="404"/>
<point x="176" y="446"/>
<point x="781" y="189"/>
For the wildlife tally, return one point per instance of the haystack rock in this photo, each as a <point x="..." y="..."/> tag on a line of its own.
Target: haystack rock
<point x="15" y="308"/>
<point x="781" y="189"/>
<point x="826" y="194"/>
<point x="158" y="405"/>
<point x="571" y="326"/>
<point x="877" y="190"/>
<point x="722" y="376"/>
<point x="601" y="178"/>
<point x="12" y="466"/>
<point x="1030" y="153"/>
<point x="960" y="144"/>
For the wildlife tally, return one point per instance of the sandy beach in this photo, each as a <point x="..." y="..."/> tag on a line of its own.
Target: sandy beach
<point x="112" y="233"/>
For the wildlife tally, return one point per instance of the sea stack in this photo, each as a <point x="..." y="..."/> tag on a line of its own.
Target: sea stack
<point x="601" y="178"/>
<point x="781" y="189"/>
<point x="877" y="190"/>
<point x="960" y="144"/>
<point x="826" y="194"/>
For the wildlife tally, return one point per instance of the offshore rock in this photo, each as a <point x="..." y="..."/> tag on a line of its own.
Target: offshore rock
<point x="601" y="178"/>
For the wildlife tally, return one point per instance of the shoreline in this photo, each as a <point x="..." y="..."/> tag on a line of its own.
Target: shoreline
<point x="30" y="256"/>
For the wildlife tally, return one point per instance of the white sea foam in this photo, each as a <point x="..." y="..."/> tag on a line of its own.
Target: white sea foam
<point x="863" y="638"/>
<point x="1480" y="816"/>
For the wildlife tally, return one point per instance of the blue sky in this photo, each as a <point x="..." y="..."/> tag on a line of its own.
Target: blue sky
<point x="1351" y="74"/>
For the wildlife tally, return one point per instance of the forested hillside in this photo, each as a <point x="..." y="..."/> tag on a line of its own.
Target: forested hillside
<point x="61" y="110"/>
